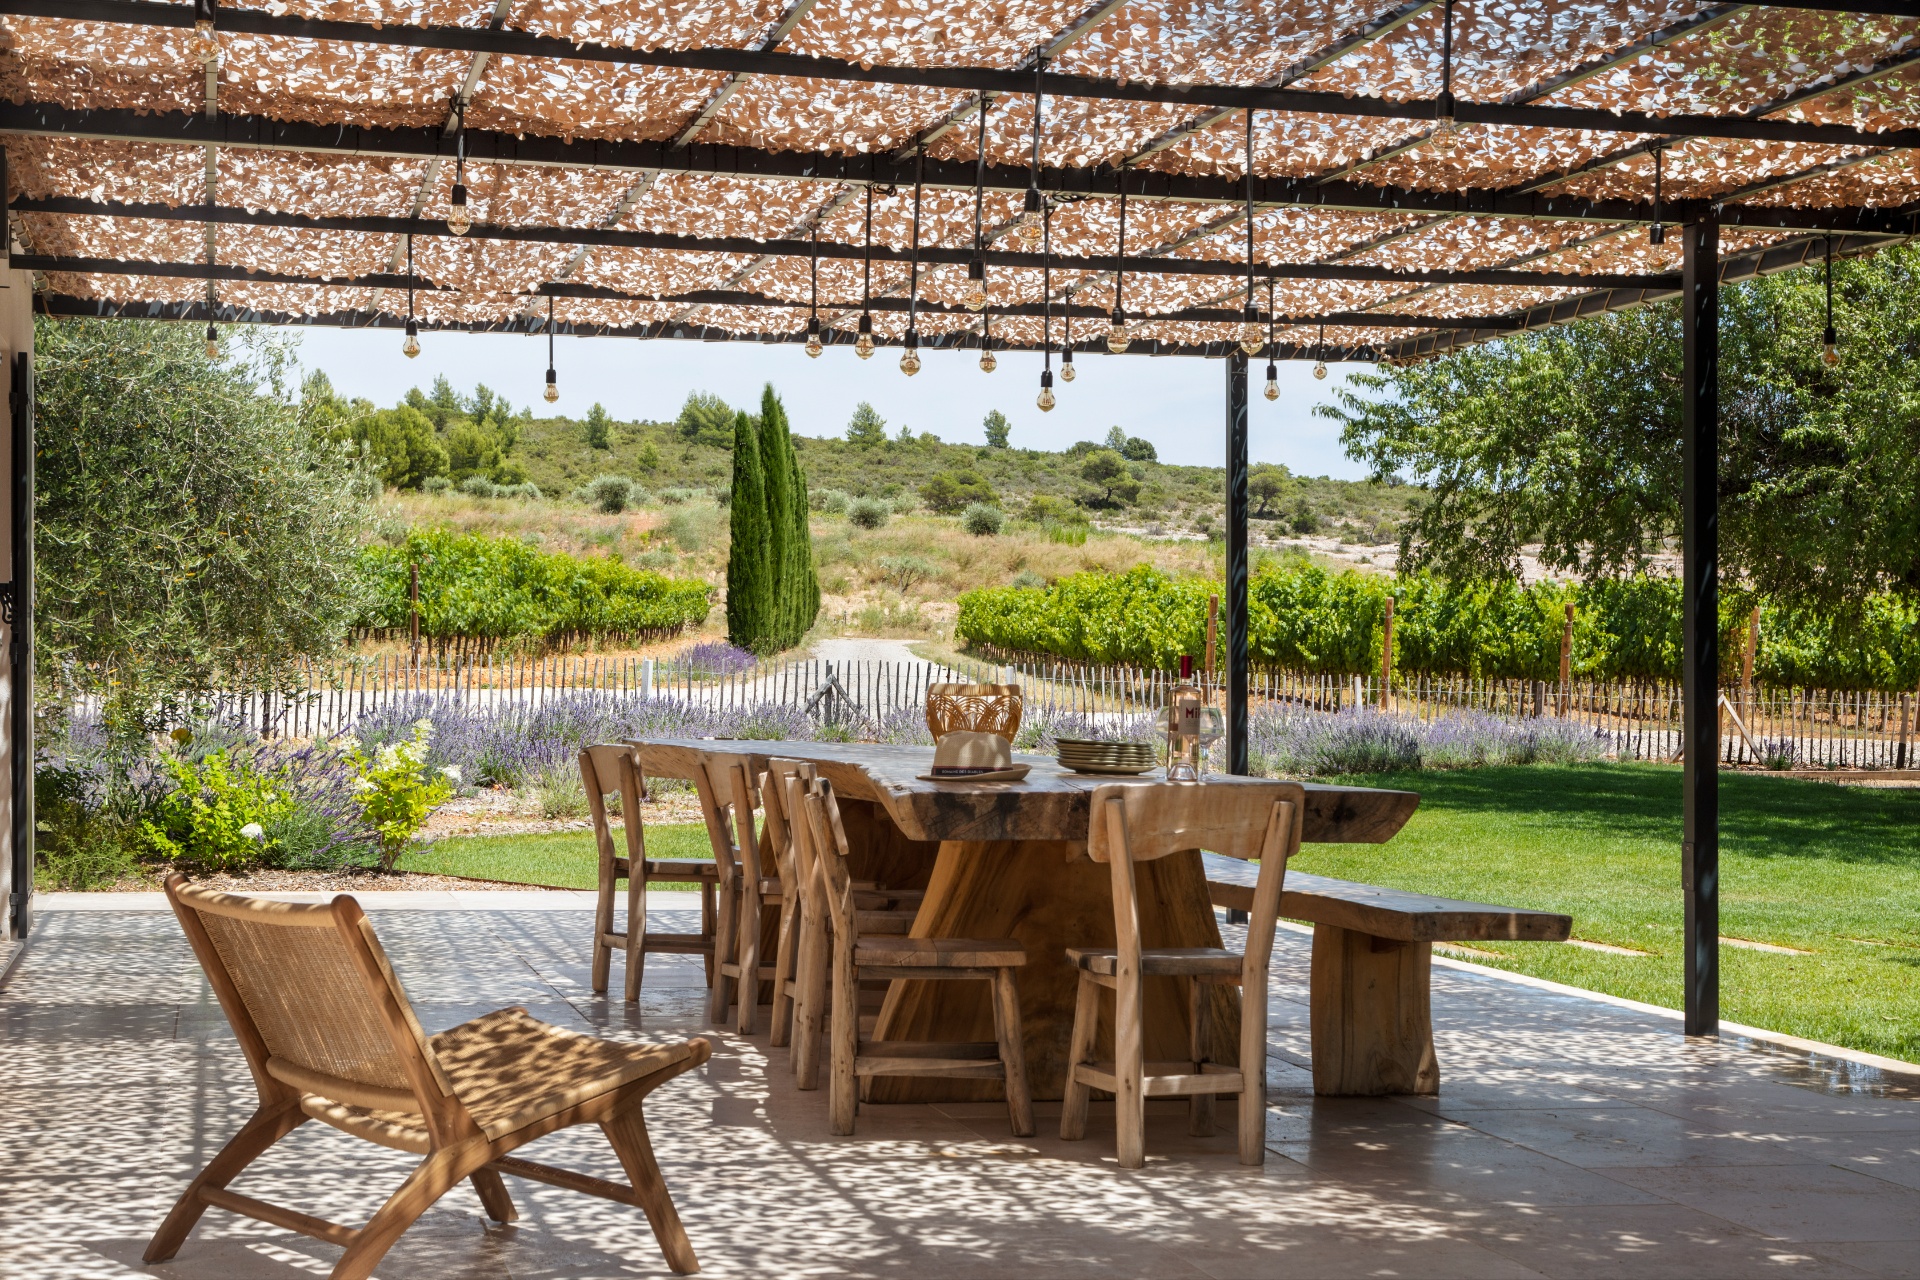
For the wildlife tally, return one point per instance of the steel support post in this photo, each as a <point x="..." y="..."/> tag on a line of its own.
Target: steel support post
<point x="1700" y="586"/>
<point x="20" y="648"/>
<point x="1236" y="563"/>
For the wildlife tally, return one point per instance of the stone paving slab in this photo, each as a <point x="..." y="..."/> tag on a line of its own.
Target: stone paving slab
<point x="1573" y="1136"/>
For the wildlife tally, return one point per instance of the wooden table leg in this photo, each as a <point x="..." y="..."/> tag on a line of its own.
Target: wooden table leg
<point x="1371" y="1015"/>
<point x="1049" y="896"/>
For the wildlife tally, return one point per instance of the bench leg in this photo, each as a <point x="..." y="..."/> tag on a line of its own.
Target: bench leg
<point x="1371" y="1015"/>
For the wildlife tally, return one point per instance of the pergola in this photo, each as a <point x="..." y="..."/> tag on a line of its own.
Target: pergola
<point x="1215" y="178"/>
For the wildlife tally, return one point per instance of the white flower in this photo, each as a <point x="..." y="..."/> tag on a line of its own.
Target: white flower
<point x="253" y="831"/>
<point x="451" y="773"/>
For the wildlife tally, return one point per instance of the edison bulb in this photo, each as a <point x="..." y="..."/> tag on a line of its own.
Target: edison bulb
<point x="1252" y="338"/>
<point x="459" y="217"/>
<point x="1045" y="399"/>
<point x="976" y="295"/>
<point x="411" y="346"/>
<point x="1067" y="372"/>
<point x="910" y="361"/>
<point x="552" y="392"/>
<point x="1831" y="355"/>
<point x="1273" y="382"/>
<point x="813" y="337"/>
<point x="1117" y="340"/>
<point x="213" y="343"/>
<point x="988" y="361"/>
<point x="1320" y="369"/>
<point x="863" y="346"/>
<point x="204" y="43"/>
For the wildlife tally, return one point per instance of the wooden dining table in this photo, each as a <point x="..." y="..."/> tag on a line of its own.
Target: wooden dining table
<point x="1009" y="860"/>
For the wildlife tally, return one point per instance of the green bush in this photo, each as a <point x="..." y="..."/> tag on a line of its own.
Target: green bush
<point x="868" y="513"/>
<point x="398" y="790"/>
<point x="611" y="494"/>
<point x="983" y="520"/>
<point x="216" y="817"/>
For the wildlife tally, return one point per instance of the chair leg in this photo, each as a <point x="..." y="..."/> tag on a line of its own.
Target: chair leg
<point x="1129" y="1069"/>
<point x="723" y="955"/>
<point x="493" y="1195"/>
<point x="1086" y="1024"/>
<point x="746" y="988"/>
<point x="267" y="1126"/>
<point x="842" y="1102"/>
<point x="438" y="1174"/>
<point x="786" y="947"/>
<point x="709" y="921"/>
<point x="1199" y="1105"/>
<point x="626" y="1131"/>
<point x="636" y="934"/>
<point x="602" y="926"/>
<point x="810" y="1006"/>
<point x="1253" y="1073"/>
<point x="1013" y="1054"/>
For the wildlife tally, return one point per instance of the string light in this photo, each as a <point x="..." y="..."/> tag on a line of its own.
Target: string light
<point x="205" y="43"/>
<point x="411" y="345"/>
<point x="976" y="297"/>
<point x="910" y="357"/>
<point x="1251" y="339"/>
<point x="1831" y="340"/>
<point x="813" y="319"/>
<point x="863" y="344"/>
<point x="1066" y="344"/>
<point x="552" y="393"/>
<point x="1320" y="354"/>
<point x="1657" y="233"/>
<point x="1273" y="374"/>
<point x="1027" y="227"/>
<point x="1442" y="137"/>
<point x="213" y="334"/>
<point x="459" y="217"/>
<point x="1117" y="320"/>
<point x="1045" y="399"/>
<point x="988" y="361"/>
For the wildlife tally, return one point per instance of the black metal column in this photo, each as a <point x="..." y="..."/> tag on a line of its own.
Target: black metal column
<point x="1700" y="623"/>
<point x="1236" y="563"/>
<point x="20" y="647"/>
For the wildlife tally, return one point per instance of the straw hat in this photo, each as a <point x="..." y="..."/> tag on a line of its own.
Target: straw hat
<point x="966" y="756"/>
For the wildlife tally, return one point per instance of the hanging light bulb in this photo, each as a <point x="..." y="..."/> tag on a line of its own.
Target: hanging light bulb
<point x="213" y="343"/>
<point x="1045" y="399"/>
<point x="1252" y="338"/>
<point x="459" y="216"/>
<point x="1066" y="344"/>
<point x="976" y="296"/>
<point x="1117" y="340"/>
<point x="910" y="357"/>
<point x="205" y="46"/>
<point x="1831" y="355"/>
<point x="1657" y="233"/>
<point x="1027" y="228"/>
<point x="1442" y="137"/>
<point x="988" y="361"/>
<point x="863" y="344"/>
<point x="1830" y="340"/>
<point x="552" y="393"/>
<point x="1320" y="369"/>
<point x="1320" y="354"/>
<point x="813" y="338"/>
<point x="813" y="319"/>
<point x="1273" y="382"/>
<point x="411" y="346"/>
<point x="1031" y="223"/>
<point x="1117" y="320"/>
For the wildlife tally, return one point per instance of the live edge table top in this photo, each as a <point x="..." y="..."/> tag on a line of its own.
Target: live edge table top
<point x="1050" y="803"/>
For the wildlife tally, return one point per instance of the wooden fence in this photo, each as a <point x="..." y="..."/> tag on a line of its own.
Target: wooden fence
<point x="1777" y="728"/>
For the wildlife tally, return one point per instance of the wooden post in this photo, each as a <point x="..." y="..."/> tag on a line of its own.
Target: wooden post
<point x="1566" y="662"/>
<point x="1213" y="633"/>
<point x="413" y="605"/>
<point x="1386" y="659"/>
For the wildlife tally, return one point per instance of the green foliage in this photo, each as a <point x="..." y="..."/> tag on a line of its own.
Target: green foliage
<point x="1566" y="438"/>
<point x="497" y="589"/>
<point x="903" y="573"/>
<point x="401" y="445"/>
<point x="983" y="520"/>
<point x="706" y="419"/>
<point x="648" y="459"/>
<point x="953" y="491"/>
<point x="1106" y="471"/>
<point x="1132" y="448"/>
<point x="611" y="494"/>
<point x="868" y="513"/>
<point x="397" y="790"/>
<point x="599" y="427"/>
<point x="867" y="428"/>
<point x="217" y="815"/>
<point x="997" y="427"/>
<point x="750" y="571"/>
<point x="1265" y="483"/>
<point x="797" y="581"/>
<point x="193" y="524"/>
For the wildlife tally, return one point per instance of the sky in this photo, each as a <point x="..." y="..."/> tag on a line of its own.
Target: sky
<point x="1177" y="402"/>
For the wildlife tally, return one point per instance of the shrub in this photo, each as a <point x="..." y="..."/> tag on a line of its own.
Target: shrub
<point x="982" y="520"/>
<point x="1026" y="580"/>
<point x="902" y="573"/>
<point x="952" y="491"/>
<point x="868" y="513"/>
<point x="435" y="484"/>
<point x="611" y="494"/>
<point x="713" y="658"/>
<point x="479" y="487"/>
<point x="831" y="501"/>
<point x="216" y="816"/>
<point x="398" y="789"/>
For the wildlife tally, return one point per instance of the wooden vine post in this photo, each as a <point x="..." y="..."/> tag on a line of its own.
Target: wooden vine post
<point x="1566" y="662"/>
<point x="1386" y="659"/>
<point x="1213" y="632"/>
<point x="413" y="607"/>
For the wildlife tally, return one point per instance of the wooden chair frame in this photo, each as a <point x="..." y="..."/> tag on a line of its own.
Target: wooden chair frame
<point x="451" y="1111"/>
<point x="746" y="891"/>
<point x="1135" y="823"/>
<point x="605" y="769"/>
<point x="912" y="959"/>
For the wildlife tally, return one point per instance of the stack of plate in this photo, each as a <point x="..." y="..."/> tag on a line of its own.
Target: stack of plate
<point x="1107" y="757"/>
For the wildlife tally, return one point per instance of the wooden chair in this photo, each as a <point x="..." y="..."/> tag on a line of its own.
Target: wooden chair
<point x="1137" y="823"/>
<point x="858" y="957"/>
<point x="328" y="1035"/>
<point x="802" y="966"/>
<point x="612" y="769"/>
<point x="748" y="893"/>
<point x="983" y="708"/>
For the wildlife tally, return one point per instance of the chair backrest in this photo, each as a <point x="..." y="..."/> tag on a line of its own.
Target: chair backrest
<point x="828" y="842"/>
<point x="982" y="708"/>
<point x="736" y="772"/>
<point x="313" y="1000"/>
<point x="710" y="783"/>
<point x="785" y="821"/>
<point x="610" y="769"/>
<point x="1139" y="822"/>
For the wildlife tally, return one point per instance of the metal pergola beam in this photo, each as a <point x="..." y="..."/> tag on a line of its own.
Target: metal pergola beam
<point x="957" y="256"/>
<point x="978" y="80"/>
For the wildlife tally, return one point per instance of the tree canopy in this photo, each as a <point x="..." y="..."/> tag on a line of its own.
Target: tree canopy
<point x="997" y="427"/>
<point x="866" y="427"/>
<point x="1570" y="438"/>
<point x="706" y="419"/>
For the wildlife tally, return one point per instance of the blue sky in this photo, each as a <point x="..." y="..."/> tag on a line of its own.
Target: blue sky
<point x="1176" y="402"/>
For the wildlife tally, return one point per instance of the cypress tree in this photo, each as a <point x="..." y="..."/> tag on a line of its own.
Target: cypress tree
<point x="776" y="466"/>
<point x="750" y="571"/>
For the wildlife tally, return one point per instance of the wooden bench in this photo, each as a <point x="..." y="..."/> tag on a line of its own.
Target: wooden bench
<point x="1371" y="1002"/>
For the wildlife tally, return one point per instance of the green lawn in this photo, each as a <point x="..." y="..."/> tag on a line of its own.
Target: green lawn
<point x="1834" y="871"/>
<point x="1826" y="869"/>
<point x="564" y="859"/>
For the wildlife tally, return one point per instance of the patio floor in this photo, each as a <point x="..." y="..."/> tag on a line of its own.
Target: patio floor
<point x="1572" y="1137"/>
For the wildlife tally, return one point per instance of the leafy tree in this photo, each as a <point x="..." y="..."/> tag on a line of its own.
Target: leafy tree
<point x="997" y="428"/>
<point x="1138" y="450"/>
<point x="953" y="491"/>
<point x="706" y="419"/>
<point x="750" y="571"/>
<point x="1569" y="438"/>
<point x="906" y="434"/>
<point x="648" y="459"/>
<point x="1116" y="440"/>
<point x="1265" y="483"/>
<point x="192" y="527"/>
<point x="1107" y="472"/>
<point x="867" y="428"/>
<point x="598" y="423"/>
<point x="401" y="446"/>
<point x="472" y="450"/>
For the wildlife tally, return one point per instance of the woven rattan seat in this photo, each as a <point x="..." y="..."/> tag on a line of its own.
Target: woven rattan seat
<point x="329" y="1036"/>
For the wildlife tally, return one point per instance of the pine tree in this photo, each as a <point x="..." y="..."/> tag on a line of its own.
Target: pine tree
<point x="750" y="570"/>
